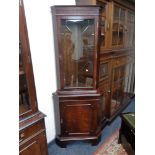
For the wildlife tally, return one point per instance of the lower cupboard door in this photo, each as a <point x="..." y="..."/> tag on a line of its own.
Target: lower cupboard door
<point x="79" y="118"/>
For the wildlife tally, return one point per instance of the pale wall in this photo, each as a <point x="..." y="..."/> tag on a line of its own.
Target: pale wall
<point x="39" y="24"/>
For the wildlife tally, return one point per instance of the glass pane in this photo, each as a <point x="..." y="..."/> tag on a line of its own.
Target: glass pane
<point x="121" y="35"/>
<point x="103" y="32"/>
<point x="122" y="15"/>
<point x="131" y="30"/>
<point x="115" y="33"/>
<point x="77" y="46"/>
<point x="24" y="104"/>
<point x="116" y="13"/>
<point x="102" y="24"/>
<point x="130" y="34"/>
<point x="115" y="102"/>
<point x="116" y="74"/>
<point x="103" y="70"/>
<point x="118" y="87"/>
<point x="133" y="40"/>
<point x="126" y="83"/>
<point x="131" y="16"/>
<point x="118" y="26"/>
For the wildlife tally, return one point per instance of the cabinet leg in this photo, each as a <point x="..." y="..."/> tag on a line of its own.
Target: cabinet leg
<point x="96" y="141"/>
<point x="61" y="144"/>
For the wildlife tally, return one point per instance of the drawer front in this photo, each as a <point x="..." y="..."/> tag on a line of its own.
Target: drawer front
<point x="31" y="131"/>
<point x="35" y="146"/>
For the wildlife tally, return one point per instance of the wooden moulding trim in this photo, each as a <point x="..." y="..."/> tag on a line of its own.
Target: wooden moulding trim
<point x="76" y="138"/>
<point x="76" y="105"/>
<point x="111" y="51"/>
<point x="82" y="137"/>
<point x="76" y="92"/>
<point x="81" y="10"/>
<point x="28" y="121"/>
<point x="78" y="95"/>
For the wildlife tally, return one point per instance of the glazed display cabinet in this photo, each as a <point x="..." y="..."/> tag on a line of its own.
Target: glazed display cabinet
<point x="117" y="53"/>
<point x="78" y="103"/>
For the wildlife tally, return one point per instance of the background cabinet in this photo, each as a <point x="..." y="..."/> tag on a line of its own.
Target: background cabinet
<point x="117" y="66"/>
<point x="32" y="135"/>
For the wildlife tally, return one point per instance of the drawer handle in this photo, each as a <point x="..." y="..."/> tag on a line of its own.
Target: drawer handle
<point x="22" y="135"/>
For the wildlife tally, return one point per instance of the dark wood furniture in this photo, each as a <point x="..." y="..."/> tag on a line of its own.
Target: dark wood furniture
<point x="78" y="102"/>
<point x="94" y="44"/>
<point x="128" y="128"/>
<point x="32" y="135"/>
<point x="117" y="52"/>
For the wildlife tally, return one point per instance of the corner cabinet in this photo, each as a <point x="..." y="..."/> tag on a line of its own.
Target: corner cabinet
<point x="32" y="134"/>
<point x="78" y="103"/>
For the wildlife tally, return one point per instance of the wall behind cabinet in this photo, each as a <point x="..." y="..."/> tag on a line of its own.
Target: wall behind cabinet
<point x="39" y="25"/>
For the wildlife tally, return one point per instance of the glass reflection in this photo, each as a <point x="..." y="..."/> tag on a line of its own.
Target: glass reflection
<point x="77" y="45"/>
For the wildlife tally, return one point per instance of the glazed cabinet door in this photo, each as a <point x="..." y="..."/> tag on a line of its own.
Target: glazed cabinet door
<point x="80" y="117"/>
<point x="122" y="84"/>
<point x="117" y="88"/>
<point x="104" y="26"/>
<point x="130" y="29"/>
<point x="35" y="146"/>
<point x="77" y="45"/>
<point x="118" y="26"/>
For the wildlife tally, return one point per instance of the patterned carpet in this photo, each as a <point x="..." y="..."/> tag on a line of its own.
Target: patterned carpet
<point x="111" y="146"/>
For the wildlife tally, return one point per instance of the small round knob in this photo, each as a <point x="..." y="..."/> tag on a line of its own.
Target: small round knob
<point x="22" y="135"/>
<point x="108" y="91"/>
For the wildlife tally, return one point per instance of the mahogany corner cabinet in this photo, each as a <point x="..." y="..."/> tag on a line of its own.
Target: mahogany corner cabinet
<point x="94" y="78"/>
